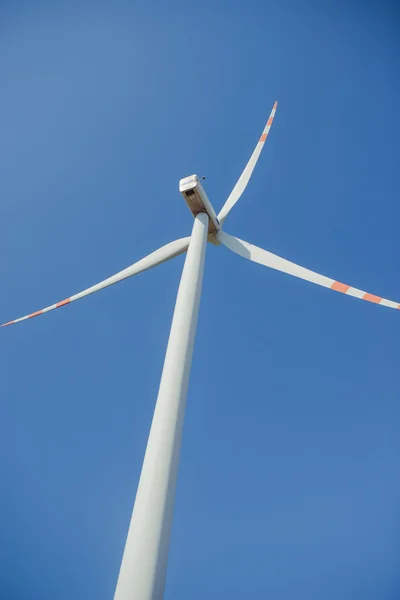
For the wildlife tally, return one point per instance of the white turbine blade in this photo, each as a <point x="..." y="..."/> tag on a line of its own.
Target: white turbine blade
<point x="248" y="170"/>
<point x="155" y="258"/>
<point x="263" y="257"/>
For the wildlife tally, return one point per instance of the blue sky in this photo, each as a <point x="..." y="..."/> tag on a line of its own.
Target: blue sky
<point x="288" y="484"/>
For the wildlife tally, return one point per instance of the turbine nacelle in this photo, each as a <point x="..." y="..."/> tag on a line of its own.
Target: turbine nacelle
<point x="197" y="201"/>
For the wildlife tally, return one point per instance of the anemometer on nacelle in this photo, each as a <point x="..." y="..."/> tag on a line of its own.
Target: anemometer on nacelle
<point x="197" y="201"/>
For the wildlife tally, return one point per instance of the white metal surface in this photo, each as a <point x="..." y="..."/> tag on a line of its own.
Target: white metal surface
<point x="197" y="201"/>
<point x="263" y="257"/>
<point x="155" y="258"/>
<point x="248" y="170"/>
<point x="144" y="563"/>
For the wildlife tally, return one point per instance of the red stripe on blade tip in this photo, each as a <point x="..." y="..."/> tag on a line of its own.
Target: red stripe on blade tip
<point x="35" y="314"/>
<point x="372" y="298"/>
<point x="340" y="287"/>
<point x="63" y="302"/>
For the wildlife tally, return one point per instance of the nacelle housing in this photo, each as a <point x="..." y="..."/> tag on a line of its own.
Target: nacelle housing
<point x="197" y="201"/>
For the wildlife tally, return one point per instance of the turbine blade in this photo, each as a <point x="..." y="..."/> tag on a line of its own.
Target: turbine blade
<point x="248" y="170"/>
<point x="155" y="258"/>
<point x="263" y="257"/>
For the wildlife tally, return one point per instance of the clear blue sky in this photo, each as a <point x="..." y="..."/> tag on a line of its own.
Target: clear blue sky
<point x="288" y="486"/>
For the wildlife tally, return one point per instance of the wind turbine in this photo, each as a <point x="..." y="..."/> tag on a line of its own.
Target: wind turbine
<point x="144" y="562"/>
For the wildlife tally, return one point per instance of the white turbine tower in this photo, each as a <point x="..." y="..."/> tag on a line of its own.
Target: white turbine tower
<point x="144" y="563"/>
